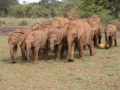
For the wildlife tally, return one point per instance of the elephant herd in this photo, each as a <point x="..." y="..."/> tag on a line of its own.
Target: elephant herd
<point x="63" y="33"/>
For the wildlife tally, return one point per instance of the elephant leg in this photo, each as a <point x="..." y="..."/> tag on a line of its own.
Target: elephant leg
<point x="40" y="54"/>
<point x="111" y="43"/>
<point x="36" y="50"/>
<point x="62" y="52"/>
<point x="46" y="52"/>
<point x="91" y="49"/>
<point x="58" y="53"/>
<point x="81" y="56"/>
<point x="14" y="54"/>
<point x="23" y="51"/>
<point x="55" y="50"/>
<point x="95" y="40"/>
<point x="99" y="38"/>
<point x="72" y="53"/>
<point x="115" y="41"/>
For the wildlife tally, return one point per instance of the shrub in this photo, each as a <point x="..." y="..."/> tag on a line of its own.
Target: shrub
<point x="23" y="23"/>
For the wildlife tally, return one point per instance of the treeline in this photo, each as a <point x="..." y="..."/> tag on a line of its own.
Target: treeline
<point x="106" y="9"/>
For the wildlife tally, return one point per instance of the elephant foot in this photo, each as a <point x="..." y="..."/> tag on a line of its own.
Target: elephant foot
<point x="57" y="59"/>
<point x="70" y="60"/>
<point x="14" y="61"/>
<point x="35" y="62"/>
<point x="82" y="58"/>
<point x="107" y="47"/>
<point x="39" y="58"/>
<point x="91" y="54"/>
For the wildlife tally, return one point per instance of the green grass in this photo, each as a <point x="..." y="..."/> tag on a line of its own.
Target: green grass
<point x="98" y="72"/>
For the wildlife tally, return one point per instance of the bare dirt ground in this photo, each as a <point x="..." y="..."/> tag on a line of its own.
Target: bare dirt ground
<point x="5" y="31"/>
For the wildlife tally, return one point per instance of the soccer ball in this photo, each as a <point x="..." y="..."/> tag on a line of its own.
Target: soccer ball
<point x="101" y="45"/>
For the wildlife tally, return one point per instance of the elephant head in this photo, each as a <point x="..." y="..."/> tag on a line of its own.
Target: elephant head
<point x="109" y="34"/>
<point x="59" y="22"/>
<point x="93" y="25"/>
<point x="56" y="36"/>
<point x="54" y="39"/>
<point x="16" y="39"/>
<point x="118" y="25"/>
<point x="95" y="17"/>
<point x="33" y="39"/>
<point x="70" y="16"/>
<point x="39" y="26"/>
<point x="74" y="31"/>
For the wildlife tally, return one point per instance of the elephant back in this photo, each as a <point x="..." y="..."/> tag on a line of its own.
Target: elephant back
<point x="59" y="22"/>
<point x="39" y="26"/>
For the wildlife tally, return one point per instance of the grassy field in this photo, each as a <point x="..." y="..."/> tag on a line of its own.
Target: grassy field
<point x="98" y="72"/>
<point x="11" y="21"/>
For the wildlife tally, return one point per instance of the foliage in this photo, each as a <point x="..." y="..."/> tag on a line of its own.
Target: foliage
<point x="108" y="10"/>
<point x="5" y="4"/>
<point x="23" y="23"/>
<point x="104" y="8"/>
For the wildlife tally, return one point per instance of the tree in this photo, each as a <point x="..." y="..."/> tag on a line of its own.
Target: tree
<point x="5" y="5"/>
<point x="89" y="7"/>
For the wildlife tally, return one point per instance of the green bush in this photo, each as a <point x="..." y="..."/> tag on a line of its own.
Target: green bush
<point x="23" y="23"/>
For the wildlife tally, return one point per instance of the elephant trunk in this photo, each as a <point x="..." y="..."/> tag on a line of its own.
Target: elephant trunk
<point x="28" y="47"/>
<point x="52" y="47"/>
<point x="69" y="55"/>
<point x="107" y="42"/>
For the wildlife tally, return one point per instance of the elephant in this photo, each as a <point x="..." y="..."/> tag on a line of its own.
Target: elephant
<point x="97" y="20"/>
<point x="118" y="25"/>
<point x="58" y="37"/>
<point x="80" y="31"/>
<point x="35" y="40"/>
<point x="38" y="26"/>
<point x="94" y="28"/>
<point x="70" y="16"/>
<point x="16" y="39"/>
<point x="44" y="27"/>
<point x="58" y="22"/>
<point x="110" y="35"/>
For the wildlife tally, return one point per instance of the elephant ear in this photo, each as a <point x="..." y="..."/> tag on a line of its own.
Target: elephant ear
<point x="21" y="35"/>
<point x="37" y="39"/>
<point x="20" y="39"/>
<point x="79" y="30"/>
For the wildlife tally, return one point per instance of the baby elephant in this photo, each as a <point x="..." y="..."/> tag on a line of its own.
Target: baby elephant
<point x="110" y="35"/>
